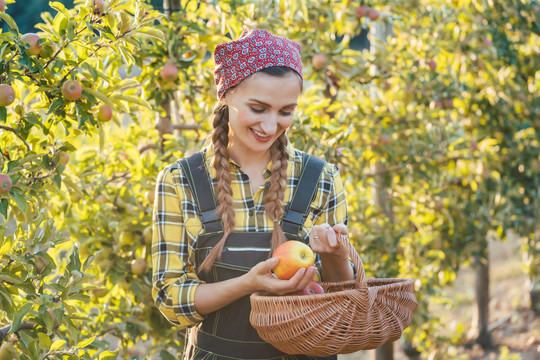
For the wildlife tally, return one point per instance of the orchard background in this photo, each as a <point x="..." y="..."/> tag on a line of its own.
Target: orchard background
<point x="429" y="108"/>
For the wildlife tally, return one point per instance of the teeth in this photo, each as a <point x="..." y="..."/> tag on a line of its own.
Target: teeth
<point x="258" y="133"/>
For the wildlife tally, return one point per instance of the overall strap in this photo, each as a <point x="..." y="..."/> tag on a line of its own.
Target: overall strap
<point x="194" y="168"/>
<point x="298" y="208"/>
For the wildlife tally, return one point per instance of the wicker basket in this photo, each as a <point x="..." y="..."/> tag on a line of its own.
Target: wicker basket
<point x="350" y="316"/>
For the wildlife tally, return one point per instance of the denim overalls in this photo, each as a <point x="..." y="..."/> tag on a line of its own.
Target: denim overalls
<point x="227" y="333"/>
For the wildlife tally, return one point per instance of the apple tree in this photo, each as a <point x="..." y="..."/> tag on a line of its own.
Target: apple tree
<point x="62" y="91"/>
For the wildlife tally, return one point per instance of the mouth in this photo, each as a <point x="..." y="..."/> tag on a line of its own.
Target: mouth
<point x="260" y="136"/>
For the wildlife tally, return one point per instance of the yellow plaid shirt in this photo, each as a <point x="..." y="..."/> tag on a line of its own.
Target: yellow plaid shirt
<point x="176" y="226"/>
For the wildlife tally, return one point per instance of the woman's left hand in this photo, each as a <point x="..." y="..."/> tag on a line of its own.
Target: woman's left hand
<point x="323" y="240"/>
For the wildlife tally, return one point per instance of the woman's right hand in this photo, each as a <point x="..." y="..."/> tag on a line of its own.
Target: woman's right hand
<point x="261" y="279"/>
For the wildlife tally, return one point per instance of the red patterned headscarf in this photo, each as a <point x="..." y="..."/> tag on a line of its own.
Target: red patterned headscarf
<point x="254" y="50"/>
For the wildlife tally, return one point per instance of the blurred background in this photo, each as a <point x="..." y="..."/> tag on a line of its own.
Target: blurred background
<point x="430" y="109"/>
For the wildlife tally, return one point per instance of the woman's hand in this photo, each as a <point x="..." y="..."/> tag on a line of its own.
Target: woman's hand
<point x="334" y="257"/>
<point x="262" y="280"/>
<point x="323" y="240"/>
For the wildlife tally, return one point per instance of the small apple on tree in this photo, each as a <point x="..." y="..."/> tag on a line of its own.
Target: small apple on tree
<point x="98" y="6"/>
<point x="5" y="184"/>
<point x="138" y="266"/>
<point x="169" y="72"/>
<point x="105" y="113"/>
<point x="40" y="264"/>
<point x="360" y="12"/>
<point x="63" y="158"/>
<point x="7" y="95"/>
<point x="373" y="14"/>
<point x="147" y="235"/>
<point x="32" y="41"/>
<point x="47" y="50"/>
<point x="320" y="61"/>
<point x="432" y="65"/>
<point x="72" y="90"/>
<point x="385" y="139"/>
<point x="292" y="255"/>
<point x="448" y="103"/>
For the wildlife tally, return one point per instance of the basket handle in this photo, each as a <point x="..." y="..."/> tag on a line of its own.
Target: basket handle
<point x="353" y="255"/>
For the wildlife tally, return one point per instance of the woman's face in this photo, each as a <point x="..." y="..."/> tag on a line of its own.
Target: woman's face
<point x="261" y="108"/>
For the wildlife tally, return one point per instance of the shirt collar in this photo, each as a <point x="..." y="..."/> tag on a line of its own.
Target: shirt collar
<point x="209" y="150"/>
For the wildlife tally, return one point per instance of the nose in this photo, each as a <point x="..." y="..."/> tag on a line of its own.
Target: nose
<point x="269" y="124"/>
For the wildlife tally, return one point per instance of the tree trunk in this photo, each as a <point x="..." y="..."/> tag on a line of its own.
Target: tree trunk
<point x="480" y="324"/>
<point x="170" y="6"/>
<point x="381" y="196"/>
<point x="533" y="262"/>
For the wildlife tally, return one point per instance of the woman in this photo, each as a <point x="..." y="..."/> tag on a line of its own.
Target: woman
<point x="219" y="214"/>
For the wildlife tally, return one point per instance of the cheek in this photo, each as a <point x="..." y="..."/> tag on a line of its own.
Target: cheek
<point x="241" y="118"/>
<point x="285" y="123"/>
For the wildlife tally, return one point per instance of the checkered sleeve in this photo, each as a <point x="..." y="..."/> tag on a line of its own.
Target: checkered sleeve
<point x="332" y="208"/>
<point x="174" y="279"/>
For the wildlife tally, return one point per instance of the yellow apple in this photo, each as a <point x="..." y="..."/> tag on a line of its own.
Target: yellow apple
<point x="292" y="255"/>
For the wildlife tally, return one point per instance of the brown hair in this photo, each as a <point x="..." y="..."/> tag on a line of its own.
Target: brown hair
<point x="278" y="180"/>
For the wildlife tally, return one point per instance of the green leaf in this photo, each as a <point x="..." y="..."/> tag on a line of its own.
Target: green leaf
<point x="90" y="259"/>
<point x="86" y="342"/>
<point x="91" y="70"/>
<point x="60" y="8"/>
<point x="44" y="340"/>
<point x="20" y="201"/>
<point x="9" y="20"/>
<point x="58" y="344"/>
<point x="153" y="32"/>
<point x="109" y="355"/>
<point x="3" y="114"/>
<point x="18" y="316"/>
<point x="133" y="99"/>
<point x="54" y="105"/>
<point x="4" y="203"/>
<point x="74" y="260"/>
<point x="99" y="95"/>
<point x="165" y="355"/>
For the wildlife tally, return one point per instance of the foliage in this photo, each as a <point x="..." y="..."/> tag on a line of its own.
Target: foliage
<point x="432" y="157"/>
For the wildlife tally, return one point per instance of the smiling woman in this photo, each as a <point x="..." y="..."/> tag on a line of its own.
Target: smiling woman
<point x="220" y="213"/>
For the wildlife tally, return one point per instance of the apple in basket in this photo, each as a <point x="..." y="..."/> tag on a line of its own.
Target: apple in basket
<point x="311" y="289"/>
<point x="292" y="255"/>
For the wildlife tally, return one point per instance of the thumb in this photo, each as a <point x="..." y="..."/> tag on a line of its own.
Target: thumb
<point x="269" y="264"/>
<point x="341" y="229"/>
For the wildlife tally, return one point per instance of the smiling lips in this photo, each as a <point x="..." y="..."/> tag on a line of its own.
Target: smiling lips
<point x="260" y="136"/>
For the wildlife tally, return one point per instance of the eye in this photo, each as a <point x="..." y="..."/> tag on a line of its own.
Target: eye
<point x="285" y="113"/>
<point x="258" y="111"/>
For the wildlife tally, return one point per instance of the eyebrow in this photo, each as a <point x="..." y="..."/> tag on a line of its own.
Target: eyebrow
<point x="268" y="105"/>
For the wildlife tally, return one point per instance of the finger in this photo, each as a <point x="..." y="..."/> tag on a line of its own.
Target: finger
<point x="268" y="265"/>
<point x="293" y="282"/>
<point x="314" y="236"/>
<point x="341" y="229"/>
<point x="331" y="236"/>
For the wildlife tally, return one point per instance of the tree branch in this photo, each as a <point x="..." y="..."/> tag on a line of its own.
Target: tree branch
<point x="7" y="128"/>
<point x="24" y="326"/>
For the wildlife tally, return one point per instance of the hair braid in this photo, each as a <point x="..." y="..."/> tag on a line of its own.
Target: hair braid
<point x="276" y="192"/>
<point x="220" y="140"/>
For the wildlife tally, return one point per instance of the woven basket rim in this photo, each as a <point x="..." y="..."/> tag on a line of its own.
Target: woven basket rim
<point x="329" y="296"/>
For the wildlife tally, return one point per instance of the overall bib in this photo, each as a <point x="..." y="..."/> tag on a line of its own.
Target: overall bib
<point x="227" y="333"/>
